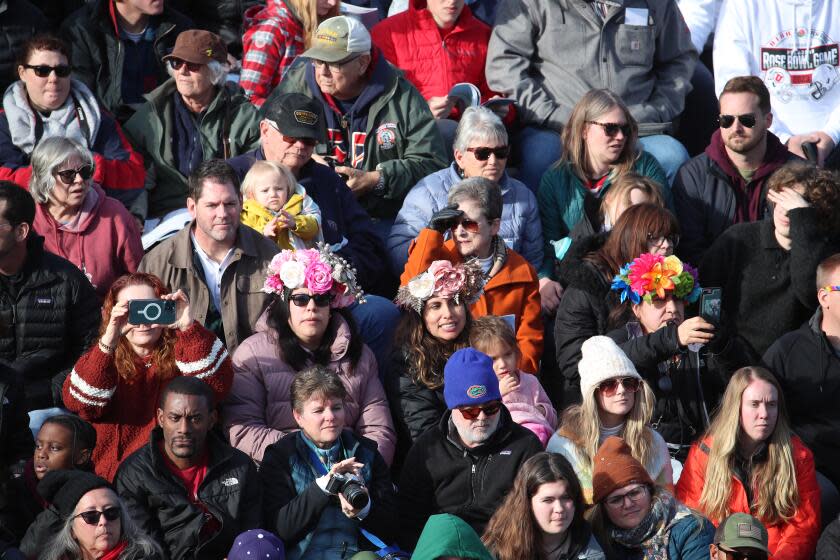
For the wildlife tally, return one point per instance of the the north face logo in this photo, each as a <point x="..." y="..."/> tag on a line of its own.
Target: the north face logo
<point x="230" y="481"/>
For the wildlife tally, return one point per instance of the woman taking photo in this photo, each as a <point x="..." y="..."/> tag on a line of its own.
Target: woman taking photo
<point x="47" y="103"/>
<point x="616" y="402"/>
<point x="75" y="217"/>
<point x="116" y="384"/>
<point x="541" y="518"/>
<point x="306" y="324"/>
<point x="324" y="483"/>
<point x="435" y="323"/>
<point x="750" y="462"/>
<point x="633" y="518"/>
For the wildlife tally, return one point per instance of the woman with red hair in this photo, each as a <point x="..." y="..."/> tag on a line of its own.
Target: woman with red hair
<point x="116" y="383"/>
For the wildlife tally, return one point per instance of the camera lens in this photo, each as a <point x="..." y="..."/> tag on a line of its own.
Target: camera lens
<point x="355" y="493"/>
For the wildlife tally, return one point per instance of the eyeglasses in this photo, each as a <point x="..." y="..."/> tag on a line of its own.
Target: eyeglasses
<point x="311" y="142"/>
<point x="43" y="71"/>
<point x="610" y="386"/>
<point x="483" y="153"/>
<point x="92" y="517"/>
<point x="831" y="288"/>
<point x="633" y="495"/>
<point x="469" y="225"/>
<point x="659" y="240"/>
<point x="333" y="66"/>
<point x="302" y="300"/>
<point x="69" y="175"/>
<point x="725" y="121"/>
<point x="472" y="412"/>
<point x="176" y="64"/>
<point x="611" y="129"/>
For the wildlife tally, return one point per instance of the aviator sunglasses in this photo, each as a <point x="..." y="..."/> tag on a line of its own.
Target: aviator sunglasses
<point x="472" y="412"/>
<point x="176" y="64"/>
<point x="483" y="153"/>
<point x="69" y="175"/>
<point x="302" y="300"/>
<point x="92" y="517"/>
<point x="725" y="121"/>
<point x="43" y="71"/>
<point x="610" y="386"/>
<point x="611" y="129"/>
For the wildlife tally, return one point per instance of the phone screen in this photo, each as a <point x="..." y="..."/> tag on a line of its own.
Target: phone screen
<point x="710" y="302"/>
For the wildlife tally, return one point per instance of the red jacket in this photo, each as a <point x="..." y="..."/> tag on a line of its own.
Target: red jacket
<point x="514" y="290"/>
<point x="123" y="413"/>
<point x="794" y="540"/>
<point x="432" y="59"/>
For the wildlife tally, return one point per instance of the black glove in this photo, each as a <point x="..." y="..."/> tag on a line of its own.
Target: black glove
<point x="446" y="218"/>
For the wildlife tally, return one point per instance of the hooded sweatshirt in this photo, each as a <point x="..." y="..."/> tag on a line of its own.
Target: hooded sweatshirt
<point x="793" y="46"/>
<point x="447" y="535"/>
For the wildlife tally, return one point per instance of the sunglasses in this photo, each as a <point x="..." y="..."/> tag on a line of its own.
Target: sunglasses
<point x="725" y="121"/>
<point x="311" y="142"/>
<point x="610" y="386"/>
<point x="733" y="555"/>
<point x="302" y="300"/>
<point x="611" y="129"/>
<point x="659" y="240"/>
<point x="69" y="175"/>
<point x="831" y="288"/>
<point x="92" y="517"/>
<point x="633" y="495"/>
<point x="472" y="412"/>
<point x="483" y="153"/>
<point x="43" y="71"/>
<point x="176" y="64"/>
<point x="469" y="225"/>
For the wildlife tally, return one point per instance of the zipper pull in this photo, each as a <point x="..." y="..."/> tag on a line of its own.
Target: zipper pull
<point x="473" y="468"/>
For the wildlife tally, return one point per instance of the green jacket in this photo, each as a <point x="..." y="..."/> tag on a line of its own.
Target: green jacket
<point x="416" y="151"/>
<point x="151" y="129"/>
<point x="447" y="535"/>
<point x="561" y="201"/>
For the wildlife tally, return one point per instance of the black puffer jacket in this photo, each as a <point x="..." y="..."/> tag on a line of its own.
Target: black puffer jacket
<point x="414" y="407"/>
<point x="158" y="502"/>
<point x="49" y="314"/>
<point x="97" y="54"/>
<point x="223" y="17"/>
<point x="15" y="436"/>
<point x="442" y="476"/>
<point x="19" y="20"/>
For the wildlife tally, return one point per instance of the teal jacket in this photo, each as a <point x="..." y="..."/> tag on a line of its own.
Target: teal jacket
<point x="447" y="535"/>
<point x="402" y="140"/>
<point x="151" y="128"/>
<point x="561" y="200"/>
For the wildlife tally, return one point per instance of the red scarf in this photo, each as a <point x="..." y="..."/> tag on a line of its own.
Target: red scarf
<point x="115" y="552"/>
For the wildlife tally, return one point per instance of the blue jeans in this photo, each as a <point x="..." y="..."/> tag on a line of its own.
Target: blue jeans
<point x="668" y="152"/>
<point x="377" y="320"/>
<point x="37" y="417"/>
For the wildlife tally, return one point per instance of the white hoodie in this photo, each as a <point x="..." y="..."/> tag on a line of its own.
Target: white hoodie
<point x="793" y="46"/>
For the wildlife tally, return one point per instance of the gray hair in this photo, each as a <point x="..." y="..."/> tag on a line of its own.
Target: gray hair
<point x="140" y="545"/>
<point x="479" y="123"/>
<point x="484" y="192"/>
<point x="218" y="72"/>
<point x="249" y="183"/>
<point x="47" y="156"/>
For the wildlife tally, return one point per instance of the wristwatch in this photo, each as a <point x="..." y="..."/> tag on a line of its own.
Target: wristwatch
<point x="379" y="188"/>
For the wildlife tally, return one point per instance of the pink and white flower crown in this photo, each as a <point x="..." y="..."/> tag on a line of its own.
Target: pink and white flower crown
<point x="319" y="270"/>
<point x="442" y="279"/>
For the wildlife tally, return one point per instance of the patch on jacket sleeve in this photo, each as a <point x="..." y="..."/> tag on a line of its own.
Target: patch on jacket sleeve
<point x="386" y="136"/>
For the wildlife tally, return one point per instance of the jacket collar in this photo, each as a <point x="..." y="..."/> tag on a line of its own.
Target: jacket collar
<point x="775" y="156"/>
<point x="182" y="249"/>
<point x="455" y="175"/>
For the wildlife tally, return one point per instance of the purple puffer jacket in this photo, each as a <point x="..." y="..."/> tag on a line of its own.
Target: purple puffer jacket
<point x="258" y="411"/>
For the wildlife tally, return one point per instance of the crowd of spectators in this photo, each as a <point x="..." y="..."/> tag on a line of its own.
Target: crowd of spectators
<point x="431" y="279"/>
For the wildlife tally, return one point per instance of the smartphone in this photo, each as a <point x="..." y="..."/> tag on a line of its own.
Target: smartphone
<point x="710" y="305"/>
<point x="151" y="311"/>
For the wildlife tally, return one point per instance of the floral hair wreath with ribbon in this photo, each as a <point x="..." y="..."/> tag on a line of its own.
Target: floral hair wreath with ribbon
<point x="654" y="275"/>
<point x="319" y="270"/>
<point x="443" y="279"/>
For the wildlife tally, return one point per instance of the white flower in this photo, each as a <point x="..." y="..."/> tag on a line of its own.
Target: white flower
<point x="292" y="273"/>
<point x="422" y="287"/>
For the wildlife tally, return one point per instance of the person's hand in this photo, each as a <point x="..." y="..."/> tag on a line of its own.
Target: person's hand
<point x="696" y="330"/>
<point x="823" y="141"/>
<point x="347" y="509"/>
<point x="270" y="229"/>
<point x="183" y="315"/>
<point x="347" y="466"/>
<point x="287" y="221"/>
<point x="441" y="106"/>
<point x="787" y="198"/>
<point x="550" y="294"/>
<point x="508" y="383"/>
<point x="360" y="182"/>
<point x="446" y="218"/>
<point x="117" y="325"/>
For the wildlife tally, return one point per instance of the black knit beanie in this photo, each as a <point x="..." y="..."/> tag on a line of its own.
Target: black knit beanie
<point x="63" y="489"/>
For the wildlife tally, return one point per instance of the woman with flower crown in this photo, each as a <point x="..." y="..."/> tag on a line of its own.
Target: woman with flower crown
<point x="306" y="324"/>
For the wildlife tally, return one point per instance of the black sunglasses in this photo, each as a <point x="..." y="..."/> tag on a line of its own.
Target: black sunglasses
<point x="483" y="153"/>
<point x="725" y="121"/>
<point x="176" y="64"/>
<point x="302" y="300"/>
<point x="69" y="175"/>
<point x="92" y="517"/>
<point x="43" y="71"/>
<point x="611" y="129"/>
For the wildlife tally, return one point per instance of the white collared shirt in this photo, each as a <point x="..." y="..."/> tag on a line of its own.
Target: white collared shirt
<point x="213" y="271"/>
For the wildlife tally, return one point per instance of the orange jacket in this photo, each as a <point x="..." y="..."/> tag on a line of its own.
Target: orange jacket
<point x="794" y="540"/>
<point x="514" y="290"/>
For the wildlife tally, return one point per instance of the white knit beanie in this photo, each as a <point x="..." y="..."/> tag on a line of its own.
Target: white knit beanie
<point x="602" y="359"/>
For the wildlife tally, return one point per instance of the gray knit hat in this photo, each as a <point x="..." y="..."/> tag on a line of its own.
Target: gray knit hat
<point x="602" y="359"/>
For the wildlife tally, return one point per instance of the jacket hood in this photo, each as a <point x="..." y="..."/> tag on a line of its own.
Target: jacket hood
<point x="574" y="271"/>
<point x="447" y="535"/>
<point x="90" y="209"/>
<point x="775" y="156"/>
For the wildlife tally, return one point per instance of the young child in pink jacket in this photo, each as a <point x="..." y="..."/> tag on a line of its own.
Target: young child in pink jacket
<point x="522" y="393"/>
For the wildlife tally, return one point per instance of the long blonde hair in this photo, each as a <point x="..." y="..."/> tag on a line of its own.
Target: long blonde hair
<point x="307" y="12"/>
<point x="582" y="425"/>
<point x="773" y="481"/>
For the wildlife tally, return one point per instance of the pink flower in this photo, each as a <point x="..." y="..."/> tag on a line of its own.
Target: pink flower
<point x="273" y="284"/>
<point x="318" y="276"/>
<point x="307" y="256"/>
<point x="639" y="268"/>
<point x="438" y="266"/>
<point x="282" y="257"/>
<point x="449" y="282"/>
<point x="342" y="296"/>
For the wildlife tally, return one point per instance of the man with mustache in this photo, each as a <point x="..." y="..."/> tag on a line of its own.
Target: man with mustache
<point x="220" y="265"/>
<point x="726" y="184"/>
<point x="188" y="489"/>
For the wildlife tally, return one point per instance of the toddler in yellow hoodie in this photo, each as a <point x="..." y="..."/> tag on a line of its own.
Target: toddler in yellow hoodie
<point x="279" y="208"/>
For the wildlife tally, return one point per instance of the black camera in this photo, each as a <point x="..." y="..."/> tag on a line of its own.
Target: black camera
<point x="349" y="487"/>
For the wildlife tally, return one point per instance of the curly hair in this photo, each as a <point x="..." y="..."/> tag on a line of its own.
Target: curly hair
<point x="822" y="191"/>
<point x="163" y="356"/>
